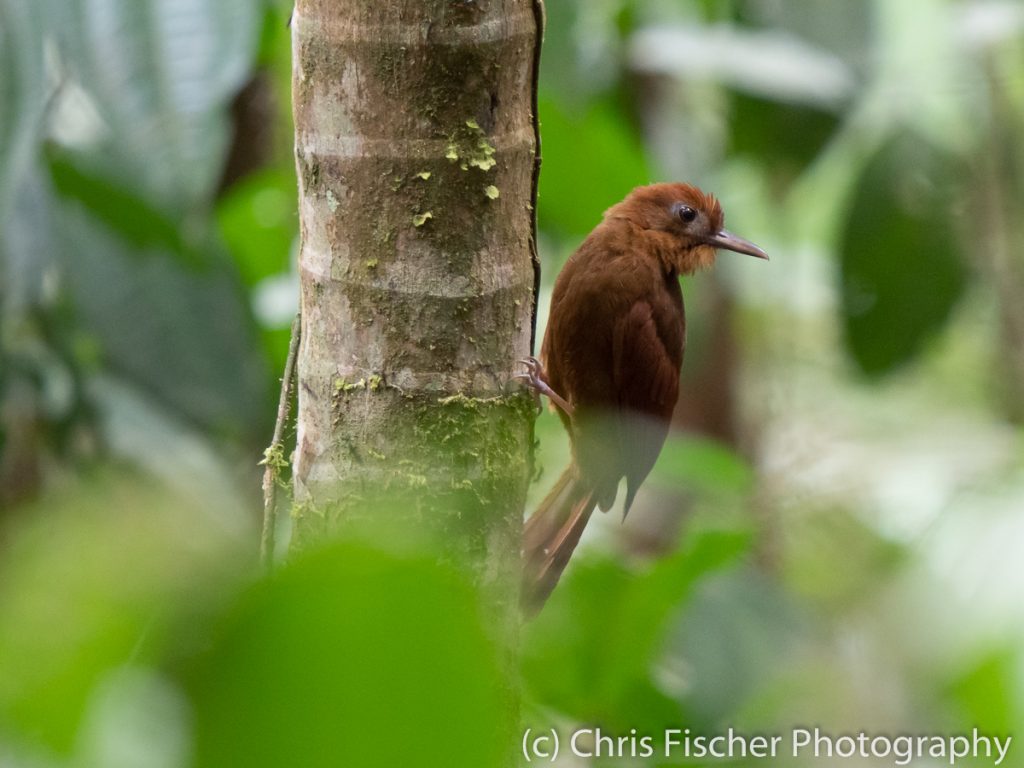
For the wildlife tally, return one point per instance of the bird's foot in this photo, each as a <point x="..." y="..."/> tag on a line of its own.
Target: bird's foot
<point x="537" y="381"/>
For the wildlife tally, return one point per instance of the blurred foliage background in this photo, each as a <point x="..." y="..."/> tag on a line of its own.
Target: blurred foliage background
<point x="832" y="536"/>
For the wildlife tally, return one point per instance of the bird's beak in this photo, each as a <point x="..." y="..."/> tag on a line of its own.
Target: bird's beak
<point x="731" y="242"/>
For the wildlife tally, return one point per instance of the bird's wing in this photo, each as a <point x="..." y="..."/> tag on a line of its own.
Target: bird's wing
<point x="645" y="376"/>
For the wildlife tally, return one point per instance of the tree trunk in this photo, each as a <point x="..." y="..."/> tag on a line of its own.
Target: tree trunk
<point x="416" y="150"/>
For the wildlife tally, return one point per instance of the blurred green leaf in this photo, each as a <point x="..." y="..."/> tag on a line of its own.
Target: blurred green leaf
<point x="737" y="631"/>
<point x="701" y="465"/>
<point x="351" y="656"/>
<point x="985" y="693"/>
<point x="120" y="209"/>
<point x="591" y="161"/>
<point x="842" y="27"/>
<point x="22" y="94"/>
<point x="162" y="73"/>
<point x="591" y="651"/>
<point x="184" y="335"/>
<point x="91" y="579"/>
<point x="27" y="246"/>
<point x="259" y="222"/>
<point x="901" y="269"/>
<point x="814" y="543"/>
<point x="785" y="135"/>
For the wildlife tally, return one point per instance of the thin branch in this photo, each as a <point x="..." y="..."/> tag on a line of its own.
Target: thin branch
<point x="273" y="458"/>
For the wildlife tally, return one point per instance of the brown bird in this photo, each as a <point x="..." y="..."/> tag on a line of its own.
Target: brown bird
<point x="611" y="357"/>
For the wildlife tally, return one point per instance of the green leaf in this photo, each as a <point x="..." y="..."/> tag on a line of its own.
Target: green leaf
<point x="352" y="656"/>
<point x="120" y="209"/>
<point x="701" y="466"/>
<point x="259" y="222"/>
<point x="591" y="652"/>
<point x="765" y="130"/>
<point x="162" y="73"/>
<point x="183" y="335"/>
<point x="985" y="693"/>
<point x="28" y="245"/>
<point x="22" y="94"/>
<point x="901" y="270"/>
<point x="94" y="578"/>
<point x="591" y="161"/>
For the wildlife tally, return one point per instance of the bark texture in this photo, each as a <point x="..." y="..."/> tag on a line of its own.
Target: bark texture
<point x="416" y="149"/>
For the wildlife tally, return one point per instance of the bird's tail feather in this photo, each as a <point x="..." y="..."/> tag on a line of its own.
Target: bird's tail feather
<point x="550" y="535"/>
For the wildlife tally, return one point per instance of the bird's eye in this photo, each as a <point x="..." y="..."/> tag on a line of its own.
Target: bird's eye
<point x="686" y="214"/>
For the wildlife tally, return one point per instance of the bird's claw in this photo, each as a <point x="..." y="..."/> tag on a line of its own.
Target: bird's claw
<point x="534" y="375"/>
<point x="534" y="371"/>
<point x="536" y="380"/>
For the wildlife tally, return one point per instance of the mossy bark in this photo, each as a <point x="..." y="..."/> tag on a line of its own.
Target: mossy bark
<point x="416" y="150"/>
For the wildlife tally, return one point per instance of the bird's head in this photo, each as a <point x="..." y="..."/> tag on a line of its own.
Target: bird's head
<point x="684" y="222"/>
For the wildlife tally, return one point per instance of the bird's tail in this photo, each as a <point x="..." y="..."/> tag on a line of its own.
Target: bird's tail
<point x="551" y="534"/>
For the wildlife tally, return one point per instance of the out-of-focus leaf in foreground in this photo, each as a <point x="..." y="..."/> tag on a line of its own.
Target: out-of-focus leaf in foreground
<point x="353" y="657"/>
<point x="901" y="269"/>
<point x="701" y="466"/>
<point x="984" y="693"/>
<point x="591" y="652"/>
<point x="94" y="579"/>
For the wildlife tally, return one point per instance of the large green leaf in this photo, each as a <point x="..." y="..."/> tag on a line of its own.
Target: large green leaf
<point x="355" y="657"/>
<point x="183" y="334"/>
<point x="162" y="73"/>
<point x="984" y="693"/>
<point x="22" y="94"/>
<point x="786" y="135"/>
<point x="27" y="246"/>
<point x="160" y="300"/>
<point x="841" y="27"/>
<point x="94" y="578"/>
<point x="259" y="222"/>
<point x="901" y="269"/>
<point x="591" y="652"/>
<point x="591" y="161"/>
<point x="112" y="204"/>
